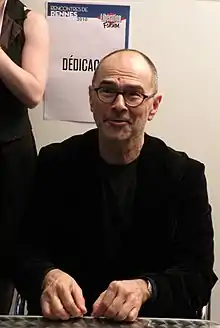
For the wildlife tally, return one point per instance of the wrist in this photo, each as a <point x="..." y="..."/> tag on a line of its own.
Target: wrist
<point x="49" y="276"/>
<point x="146" y="289"/>
<point x="2" y="53"/>
<point x="2" y="61"/>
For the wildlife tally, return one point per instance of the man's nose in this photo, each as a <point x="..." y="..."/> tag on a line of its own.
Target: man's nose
<point x="119" y="103"/>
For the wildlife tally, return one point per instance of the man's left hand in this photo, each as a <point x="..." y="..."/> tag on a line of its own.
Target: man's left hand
<point x="122" y="300"/>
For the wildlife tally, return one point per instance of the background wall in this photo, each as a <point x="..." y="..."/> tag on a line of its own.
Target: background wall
<point x="183" y="39"/>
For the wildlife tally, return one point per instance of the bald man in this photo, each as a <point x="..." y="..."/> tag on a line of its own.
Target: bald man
<point x="119" y="224"/>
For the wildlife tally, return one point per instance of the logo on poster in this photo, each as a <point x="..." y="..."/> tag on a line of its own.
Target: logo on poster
<point x="111" y="20"/>
<point x="67" y="11"/>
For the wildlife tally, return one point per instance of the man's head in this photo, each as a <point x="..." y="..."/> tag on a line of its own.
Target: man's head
<point x="123" y="94"/>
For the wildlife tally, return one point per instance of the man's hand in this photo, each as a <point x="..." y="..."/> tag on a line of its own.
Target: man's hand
<point x="122" y="300"/>
<point x="62" y="297"/>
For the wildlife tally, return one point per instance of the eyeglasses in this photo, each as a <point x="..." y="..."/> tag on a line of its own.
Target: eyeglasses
<point x="133" y="99"/>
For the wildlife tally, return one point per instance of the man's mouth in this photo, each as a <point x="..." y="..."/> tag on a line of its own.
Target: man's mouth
<point x="117" y="123"/>
<point x="118" y="120"/>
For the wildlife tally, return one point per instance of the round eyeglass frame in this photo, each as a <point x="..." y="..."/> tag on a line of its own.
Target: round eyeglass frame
<point x="142" y="98"/>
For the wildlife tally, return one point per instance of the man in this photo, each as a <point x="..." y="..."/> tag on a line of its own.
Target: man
<point x="24" y="48"/>
<point x="119" y="225"/>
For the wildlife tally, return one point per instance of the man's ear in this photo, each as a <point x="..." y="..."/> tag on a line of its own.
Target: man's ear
<point x="91" y="98"/>
<point x="155" y="106"/>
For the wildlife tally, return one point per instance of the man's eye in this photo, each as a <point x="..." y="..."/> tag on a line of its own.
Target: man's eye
<point x="107" y="90"/>
<point x="134" y="94"/>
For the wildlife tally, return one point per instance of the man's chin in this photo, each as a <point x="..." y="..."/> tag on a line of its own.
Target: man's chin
<point x="117" y="135"/>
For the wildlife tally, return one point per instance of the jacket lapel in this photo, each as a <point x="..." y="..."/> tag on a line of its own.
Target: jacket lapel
<point x="10" y="28"/>
<point x="154" y="208"/>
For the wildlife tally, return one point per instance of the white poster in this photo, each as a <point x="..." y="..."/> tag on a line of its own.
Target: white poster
<point x="81" y="34"/>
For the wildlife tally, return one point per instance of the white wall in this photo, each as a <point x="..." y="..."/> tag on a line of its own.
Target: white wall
<point x="183" y="38"/>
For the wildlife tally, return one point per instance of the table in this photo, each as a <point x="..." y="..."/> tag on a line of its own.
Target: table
<point x="89" y="322"/>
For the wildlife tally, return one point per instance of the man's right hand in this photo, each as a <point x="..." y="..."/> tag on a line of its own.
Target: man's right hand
<point x="62" y="297"/>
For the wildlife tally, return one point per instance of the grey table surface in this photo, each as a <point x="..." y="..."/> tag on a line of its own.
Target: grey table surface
<point x="89" y="322"/>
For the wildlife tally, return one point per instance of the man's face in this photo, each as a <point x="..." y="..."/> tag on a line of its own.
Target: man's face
<point x="123" y="116"/>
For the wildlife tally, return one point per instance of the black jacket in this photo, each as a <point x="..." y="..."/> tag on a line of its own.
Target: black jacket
<point x="170" y="237"/>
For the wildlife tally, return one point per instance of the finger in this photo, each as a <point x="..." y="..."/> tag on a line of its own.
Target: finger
<point x="78" y="298"/>
<point x="124" y="312"/>
<point x="105" y="303"/>
<point x="68" y="303"/>
<point x="57" y="309"/>
<point x="132" y="302"/>
<point x="115" y="308"/>
<point x="132" y="316"/>
<point x="97" y="303"/>
<point x="46" y="310"/>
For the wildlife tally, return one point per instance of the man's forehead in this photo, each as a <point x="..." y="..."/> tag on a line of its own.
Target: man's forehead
<point x="124" y="60"/>
<point x="124" y="66"/>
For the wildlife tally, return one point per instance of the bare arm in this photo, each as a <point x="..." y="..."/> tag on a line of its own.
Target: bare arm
<point x="28" y="83"/>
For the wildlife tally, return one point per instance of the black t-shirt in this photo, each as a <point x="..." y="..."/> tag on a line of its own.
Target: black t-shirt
<point x="118" y="184"/>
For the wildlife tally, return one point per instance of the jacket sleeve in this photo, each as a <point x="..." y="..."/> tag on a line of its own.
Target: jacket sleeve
<point x="32" y="259"/>
<point x="185" y="287"/>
